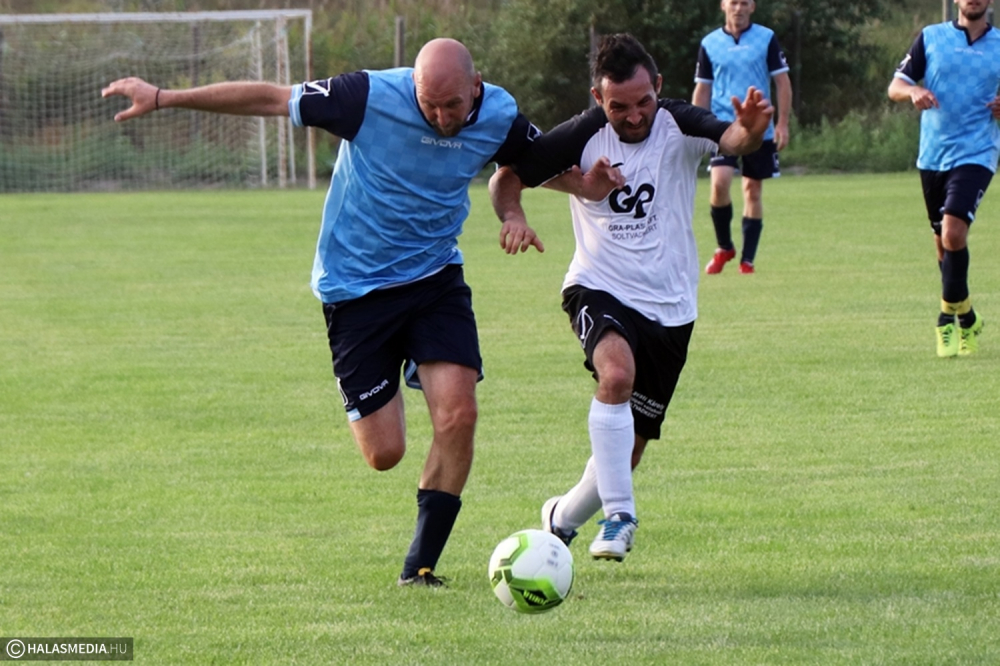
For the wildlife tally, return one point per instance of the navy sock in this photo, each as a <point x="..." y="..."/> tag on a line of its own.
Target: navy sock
<point x="436" y="514"/>
<point x="968" y="319"/>
<point x="944" y="319"/>
<point x="752" y="227"/>
<point x="722" y="217"/>
<point x="955" y="276"/>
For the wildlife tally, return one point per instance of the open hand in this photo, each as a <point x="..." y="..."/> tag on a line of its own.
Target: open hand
<point x="142" y="95"/>
<point x="754" y="113"/>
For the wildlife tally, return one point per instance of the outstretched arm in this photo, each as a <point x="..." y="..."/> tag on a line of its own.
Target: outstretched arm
<point x="243" y="98"/>
<point x="505" y="195"/>
<point x="746" y="133"/>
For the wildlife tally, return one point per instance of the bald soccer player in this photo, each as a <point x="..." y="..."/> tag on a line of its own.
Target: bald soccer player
<point x="387" y="267"/>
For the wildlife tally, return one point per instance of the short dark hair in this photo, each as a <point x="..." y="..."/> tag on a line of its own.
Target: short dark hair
<point x="617" y="59"/>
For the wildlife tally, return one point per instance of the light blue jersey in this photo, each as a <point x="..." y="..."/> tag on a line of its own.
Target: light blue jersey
<point x="399" y="193"/>
<point x="732" y="65"/>
<point x="964" y="78"/>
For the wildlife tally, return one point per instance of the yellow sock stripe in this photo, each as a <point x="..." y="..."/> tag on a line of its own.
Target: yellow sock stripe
<point x="956" y="308"/>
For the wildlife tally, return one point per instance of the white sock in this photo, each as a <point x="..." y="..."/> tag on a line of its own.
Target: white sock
<point x="580" y="504"/>
<point x="612" y="438"/>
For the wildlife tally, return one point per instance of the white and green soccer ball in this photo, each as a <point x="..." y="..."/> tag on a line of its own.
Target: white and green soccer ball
<point x="531" y="571"/>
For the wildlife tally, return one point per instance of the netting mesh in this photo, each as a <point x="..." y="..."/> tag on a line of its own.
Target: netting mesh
<point x="58" y="134"/>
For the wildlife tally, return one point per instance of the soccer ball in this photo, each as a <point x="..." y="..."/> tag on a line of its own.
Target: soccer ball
<point x="531" y="571"/>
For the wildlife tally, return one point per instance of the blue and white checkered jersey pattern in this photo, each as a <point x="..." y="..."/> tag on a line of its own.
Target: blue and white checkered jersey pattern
<point x="964" y="78"/>
<point x="399" y="192"/>
<point x="732" y="65"/>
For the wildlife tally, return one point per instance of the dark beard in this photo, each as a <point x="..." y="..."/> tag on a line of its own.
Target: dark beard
<point x="973" y="16"/>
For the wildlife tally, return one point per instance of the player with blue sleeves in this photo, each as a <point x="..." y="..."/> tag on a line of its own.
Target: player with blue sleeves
<point x="732" y="59"/>
<point x="387" y="266"/>
<point x="959" y="64"/>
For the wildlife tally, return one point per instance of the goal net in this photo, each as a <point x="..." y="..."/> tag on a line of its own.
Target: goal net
<point x="58" y="135"/>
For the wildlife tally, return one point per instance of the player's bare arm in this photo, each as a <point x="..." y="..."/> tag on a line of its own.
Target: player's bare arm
<point x="901" y="90"/>
<point x="746" y="133"/>
<point x="702" y="95"/>
<point x="243" y="98"/>
<point x="783" y="90"/>
<point x="594" y="185"/>
<point x="505" y="195"/>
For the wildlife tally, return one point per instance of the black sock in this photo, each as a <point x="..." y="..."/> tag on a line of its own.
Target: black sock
<point x="944" y="319"/>
<point x="955" y="276"/>
<point x="722" y="216"/>
<point x="752" y="227"/>
<point x="968" y="319"/>
<point x="436" y="514"/>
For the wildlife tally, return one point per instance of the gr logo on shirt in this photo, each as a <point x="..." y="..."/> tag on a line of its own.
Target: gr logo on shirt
<point x="635" y="202"/>
<point x="627" y="201"/>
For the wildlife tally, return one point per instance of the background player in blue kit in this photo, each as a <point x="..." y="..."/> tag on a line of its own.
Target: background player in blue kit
<point x="731" y="59"/>
<point x="959" y="63"/>
<point x="387" y="267"/>
<point x="631" y="289"/>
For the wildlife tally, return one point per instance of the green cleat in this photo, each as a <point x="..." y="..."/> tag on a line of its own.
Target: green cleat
<point x="968" y="339"/>
<point x="947" y="340"/>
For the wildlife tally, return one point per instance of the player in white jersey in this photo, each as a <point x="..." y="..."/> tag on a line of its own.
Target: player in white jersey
<point x="387" y="266"/>
<point x="732" y="58"/>
<point x="959" y="64"/>
<point x="631" y="290"/>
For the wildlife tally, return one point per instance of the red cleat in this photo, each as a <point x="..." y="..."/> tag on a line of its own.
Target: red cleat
<point x="746" y="268"/>
<point x="719" y="260"/>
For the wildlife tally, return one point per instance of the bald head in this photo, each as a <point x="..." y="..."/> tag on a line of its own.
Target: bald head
<point x="447" y="84"/>
<point x="444" y="57"/>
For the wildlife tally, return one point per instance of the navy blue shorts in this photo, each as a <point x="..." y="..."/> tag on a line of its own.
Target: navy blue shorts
<point x="956" y="192"/>
<point x="373" y="336"/>
<point x="761" y="164"/>
<point x="659" y="351"/>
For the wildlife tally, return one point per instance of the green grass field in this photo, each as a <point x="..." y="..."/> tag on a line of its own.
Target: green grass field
<point x="175" y="464"/>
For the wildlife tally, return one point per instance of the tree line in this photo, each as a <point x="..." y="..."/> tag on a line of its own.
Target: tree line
<point x="539" y="50"/>
<point x="842" y="52"/>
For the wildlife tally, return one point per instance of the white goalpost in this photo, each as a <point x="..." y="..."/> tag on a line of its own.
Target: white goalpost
<point x="58" y="135"/>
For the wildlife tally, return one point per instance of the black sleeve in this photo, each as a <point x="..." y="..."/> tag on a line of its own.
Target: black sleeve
<point x="703" y="70"/>
<point x="914" y="65"/>
<point x="337" y="104"/>
<point x="559" y="149"/>
<point x="519" y="139"/>
<point x="776" y="60"/>
<point x="694" y="120"/>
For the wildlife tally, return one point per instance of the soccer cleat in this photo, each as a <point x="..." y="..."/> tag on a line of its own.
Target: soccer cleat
<point x="968" y="338"/>
<point x="425" y="578"/>
<point x="746" y="267"/>
<point x="947" y="340"/>
<point x="719" y="260"/>
<point x="615" y="539"/>
<point x="548" y="511"/>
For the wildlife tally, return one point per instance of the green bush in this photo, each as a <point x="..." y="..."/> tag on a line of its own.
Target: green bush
<point x="877" y="142"/>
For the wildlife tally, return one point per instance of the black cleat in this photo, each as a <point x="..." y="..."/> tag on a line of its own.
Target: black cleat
<point x="425" y="578"/>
